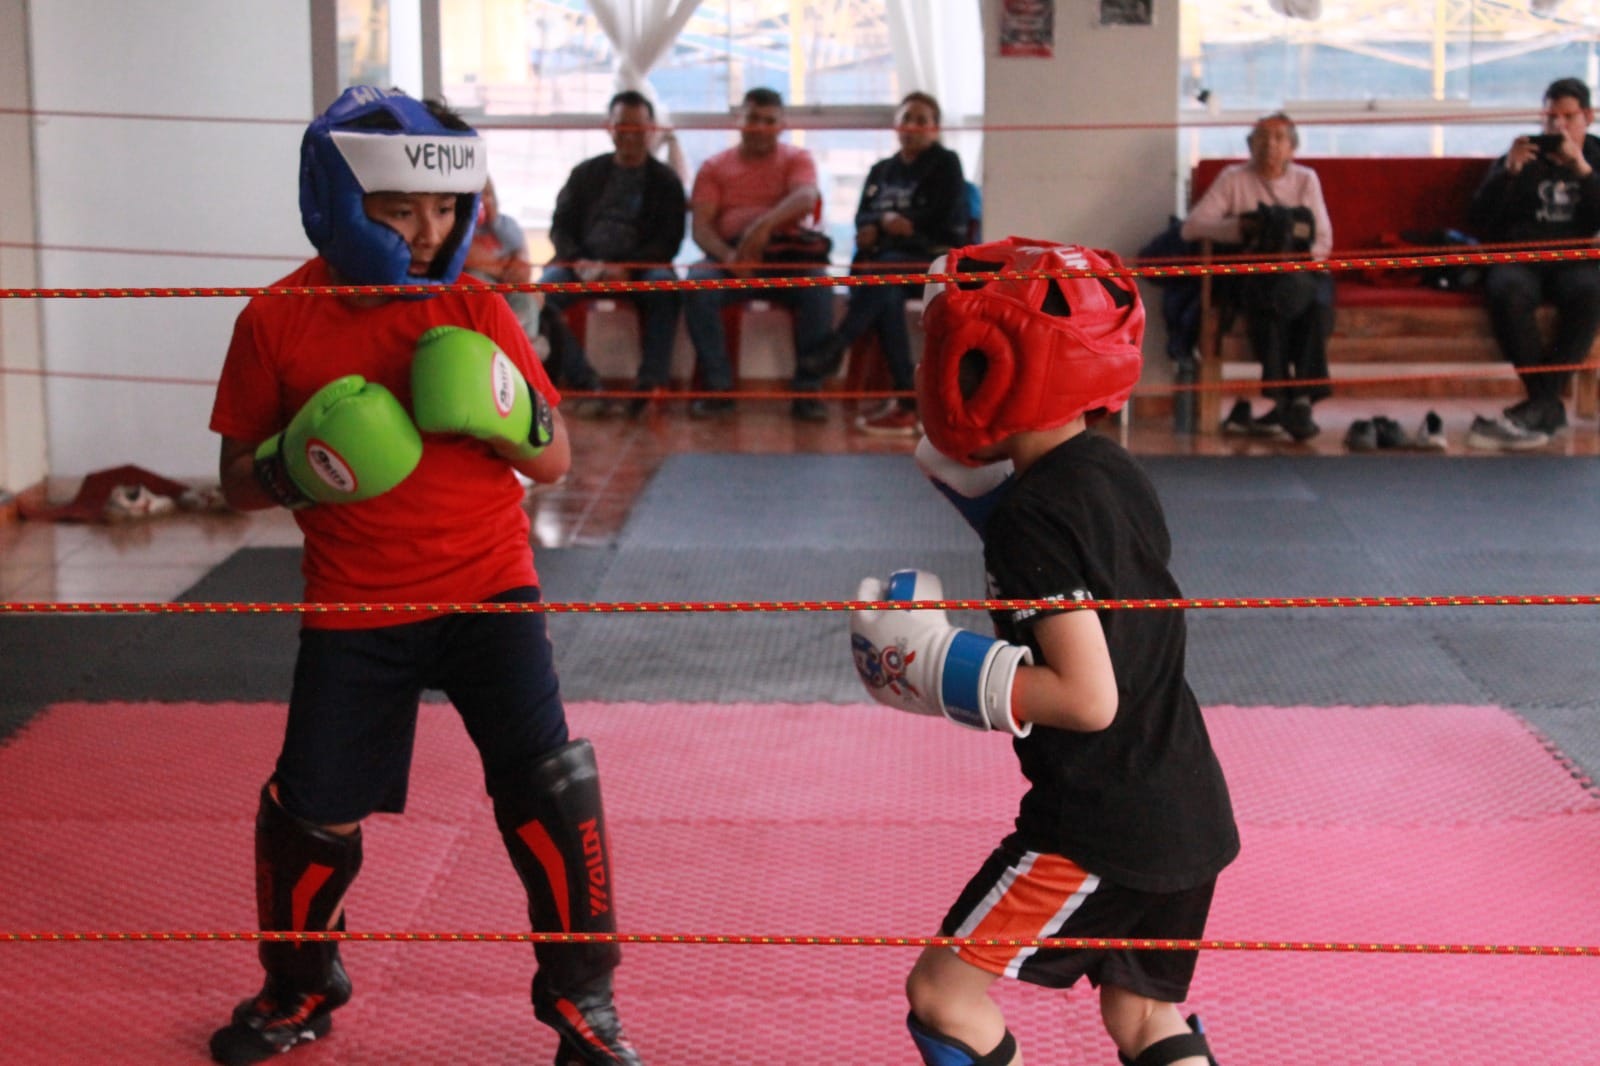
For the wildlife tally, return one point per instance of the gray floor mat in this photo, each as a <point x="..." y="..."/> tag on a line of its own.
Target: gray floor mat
<point x="792" y="501"/>
<point x="1328" y="658"/>
<point x="799" y="527"/>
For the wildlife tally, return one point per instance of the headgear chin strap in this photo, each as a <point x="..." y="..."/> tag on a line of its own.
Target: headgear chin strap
<point x="1009" y="355"/>
<point x="381" y="140"/>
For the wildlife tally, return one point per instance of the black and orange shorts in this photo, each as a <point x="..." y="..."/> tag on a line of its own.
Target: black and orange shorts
<point x="1030" y="894"/>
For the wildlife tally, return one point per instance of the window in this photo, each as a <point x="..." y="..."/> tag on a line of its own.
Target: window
<point x="363" y="41"/>
<point x="1476" y="67"/>
<point x="535" y="77"/>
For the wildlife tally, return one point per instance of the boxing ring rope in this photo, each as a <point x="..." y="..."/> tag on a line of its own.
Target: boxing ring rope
<point x="1238" y="267"/>
<point x="817" y="940"/>
<point x="1154" y="270"/>
<point x="803" y="606"/>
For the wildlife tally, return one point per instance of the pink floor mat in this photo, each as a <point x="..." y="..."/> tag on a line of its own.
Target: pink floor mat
<point x="1394" y="824"/>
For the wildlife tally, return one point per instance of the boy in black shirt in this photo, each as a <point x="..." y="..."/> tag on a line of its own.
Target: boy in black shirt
<point x="1127" y="821"/>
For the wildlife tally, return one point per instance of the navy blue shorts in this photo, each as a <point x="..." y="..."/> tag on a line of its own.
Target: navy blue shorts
<point x="1025" y="894"/>
<point x="353" y="711"/>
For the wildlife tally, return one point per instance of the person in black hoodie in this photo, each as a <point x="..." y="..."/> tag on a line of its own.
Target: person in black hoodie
<point x="620" y="217"/>
<point x="913" y="208"/>
<point x="1543" y="190"/>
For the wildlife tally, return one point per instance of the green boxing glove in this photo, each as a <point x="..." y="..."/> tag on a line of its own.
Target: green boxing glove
<point x="462" y="383"/>
<point x="351" y="441"/>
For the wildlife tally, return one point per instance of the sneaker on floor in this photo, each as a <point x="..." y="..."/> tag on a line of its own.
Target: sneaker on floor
<point x="1239" y="423"/>
<point x="1550" y="417"/>
<point x="1297" y="422"/>
<point x="1519" y="413"/>
<point x="135" y="503"/>
<point x="890" y="420"/>
<point x="711" y="407"/>
<point x="1430" y="435"/>
<point x="808" y="410"/>
<point x="1389" y="434"/>
<point x="640" y="406"/>
<point x="272" y="1023"/>
<point x="597" y="408"/>
<point x="1503" y="435"/>
<point x="1361" y="437"/>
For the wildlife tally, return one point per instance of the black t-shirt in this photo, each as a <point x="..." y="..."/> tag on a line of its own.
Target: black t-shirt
<point x="1142" y="803"/>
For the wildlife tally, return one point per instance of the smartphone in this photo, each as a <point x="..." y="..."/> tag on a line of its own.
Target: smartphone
<point x="1548" y="142"/>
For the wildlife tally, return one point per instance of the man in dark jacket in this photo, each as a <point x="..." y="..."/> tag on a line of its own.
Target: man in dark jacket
<point x="620" y="217"/>
<point x="1544" y="190"/>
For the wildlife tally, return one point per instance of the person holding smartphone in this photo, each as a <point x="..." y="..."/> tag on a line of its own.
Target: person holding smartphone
<point x="1544" y="191"/>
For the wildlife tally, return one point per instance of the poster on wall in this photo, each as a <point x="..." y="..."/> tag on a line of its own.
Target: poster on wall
<point x="1028" y="28"/>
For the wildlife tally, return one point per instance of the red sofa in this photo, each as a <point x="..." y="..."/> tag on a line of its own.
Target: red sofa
<point x="1368" y="199"/>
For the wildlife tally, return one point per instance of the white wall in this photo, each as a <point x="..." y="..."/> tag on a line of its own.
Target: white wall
<point x="1106" y="188"/>
<point x="22" y="451"/>
<point x="151" y="185"/>
<point x="229" y="189"/>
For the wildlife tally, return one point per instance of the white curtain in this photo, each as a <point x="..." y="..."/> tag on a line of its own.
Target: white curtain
<point x="938" y="49"/>
<point x="641" y="31"/>
<point x="1310" y="10"/>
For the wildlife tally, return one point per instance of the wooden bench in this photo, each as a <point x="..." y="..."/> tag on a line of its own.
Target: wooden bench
<point x="1374" y="324"/>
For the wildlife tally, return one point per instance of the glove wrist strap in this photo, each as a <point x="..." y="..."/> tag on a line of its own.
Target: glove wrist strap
<point x="273" y="476"/>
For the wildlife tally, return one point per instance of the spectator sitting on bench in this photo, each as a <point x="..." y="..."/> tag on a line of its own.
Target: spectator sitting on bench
<point x="913" y="208"/>
<point x="620" y="217"/>
<point x="1273" y="206"/>
<point x="747" y="202"/>
<point x="1543" y="189"/>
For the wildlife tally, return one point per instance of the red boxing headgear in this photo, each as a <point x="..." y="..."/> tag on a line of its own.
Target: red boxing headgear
<point x="1008" y="355"/>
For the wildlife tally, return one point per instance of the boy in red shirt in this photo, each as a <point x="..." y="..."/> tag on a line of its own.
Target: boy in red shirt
<point x="394" y="427"/>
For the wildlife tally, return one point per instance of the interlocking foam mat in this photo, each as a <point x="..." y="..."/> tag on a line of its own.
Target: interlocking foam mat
<point x="1420" y="824"/>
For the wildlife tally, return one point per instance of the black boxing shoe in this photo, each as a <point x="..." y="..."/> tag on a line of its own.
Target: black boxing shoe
<point x="591" y="1034"/>
<point x="277" y="1020"/>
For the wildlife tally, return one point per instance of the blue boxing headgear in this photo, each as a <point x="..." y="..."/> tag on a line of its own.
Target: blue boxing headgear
<point x="381" y="140"/>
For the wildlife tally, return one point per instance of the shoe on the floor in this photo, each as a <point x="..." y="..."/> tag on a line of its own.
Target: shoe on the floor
<point x="1239" y="423"/>
<point x="135" y="503"/>
<point x="806" y="409"/>
<point x="1297" y="422"/>
<point x="274" y="1022"/>
<point x="1430" y="435"/>
<point x="890" y="420"/>
<point x="1389" y="434"/>
<point x="639" y="406"/>
<point x="1503" y="435"/>
<point x="711" y="407"/>
<point x="596" y="407"/>
<point x="1520" y="413"/>
<point x="1547" y="415"/>
<point x="1553" y="419"/>
<point x="1361" y="436"/>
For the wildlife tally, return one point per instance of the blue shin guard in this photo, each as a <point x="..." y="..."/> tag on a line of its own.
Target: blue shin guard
<point x="940" y="1050"/>
<point x="1175" y="1048"/>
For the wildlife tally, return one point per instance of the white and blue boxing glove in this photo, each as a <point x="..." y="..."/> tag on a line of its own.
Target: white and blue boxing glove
<point x="915" y="660"/>
<point x="974" y="490"/>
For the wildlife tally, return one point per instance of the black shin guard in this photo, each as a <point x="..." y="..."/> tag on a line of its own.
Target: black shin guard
<point x="302" y="873"/>
<point x="1175" y="1048"/>
<point x="554" y="828"/>
<point x="937" y="1049"/>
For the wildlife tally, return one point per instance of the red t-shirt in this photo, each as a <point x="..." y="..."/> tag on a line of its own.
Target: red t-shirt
<point x="736" y="191"/>
<point x="452" y="532"/>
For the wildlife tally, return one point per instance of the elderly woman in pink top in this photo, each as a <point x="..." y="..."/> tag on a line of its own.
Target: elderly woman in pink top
<point x="1273" y="205"/>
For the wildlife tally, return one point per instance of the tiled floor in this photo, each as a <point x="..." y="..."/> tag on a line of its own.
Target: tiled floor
<point x="156" y="560"/>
